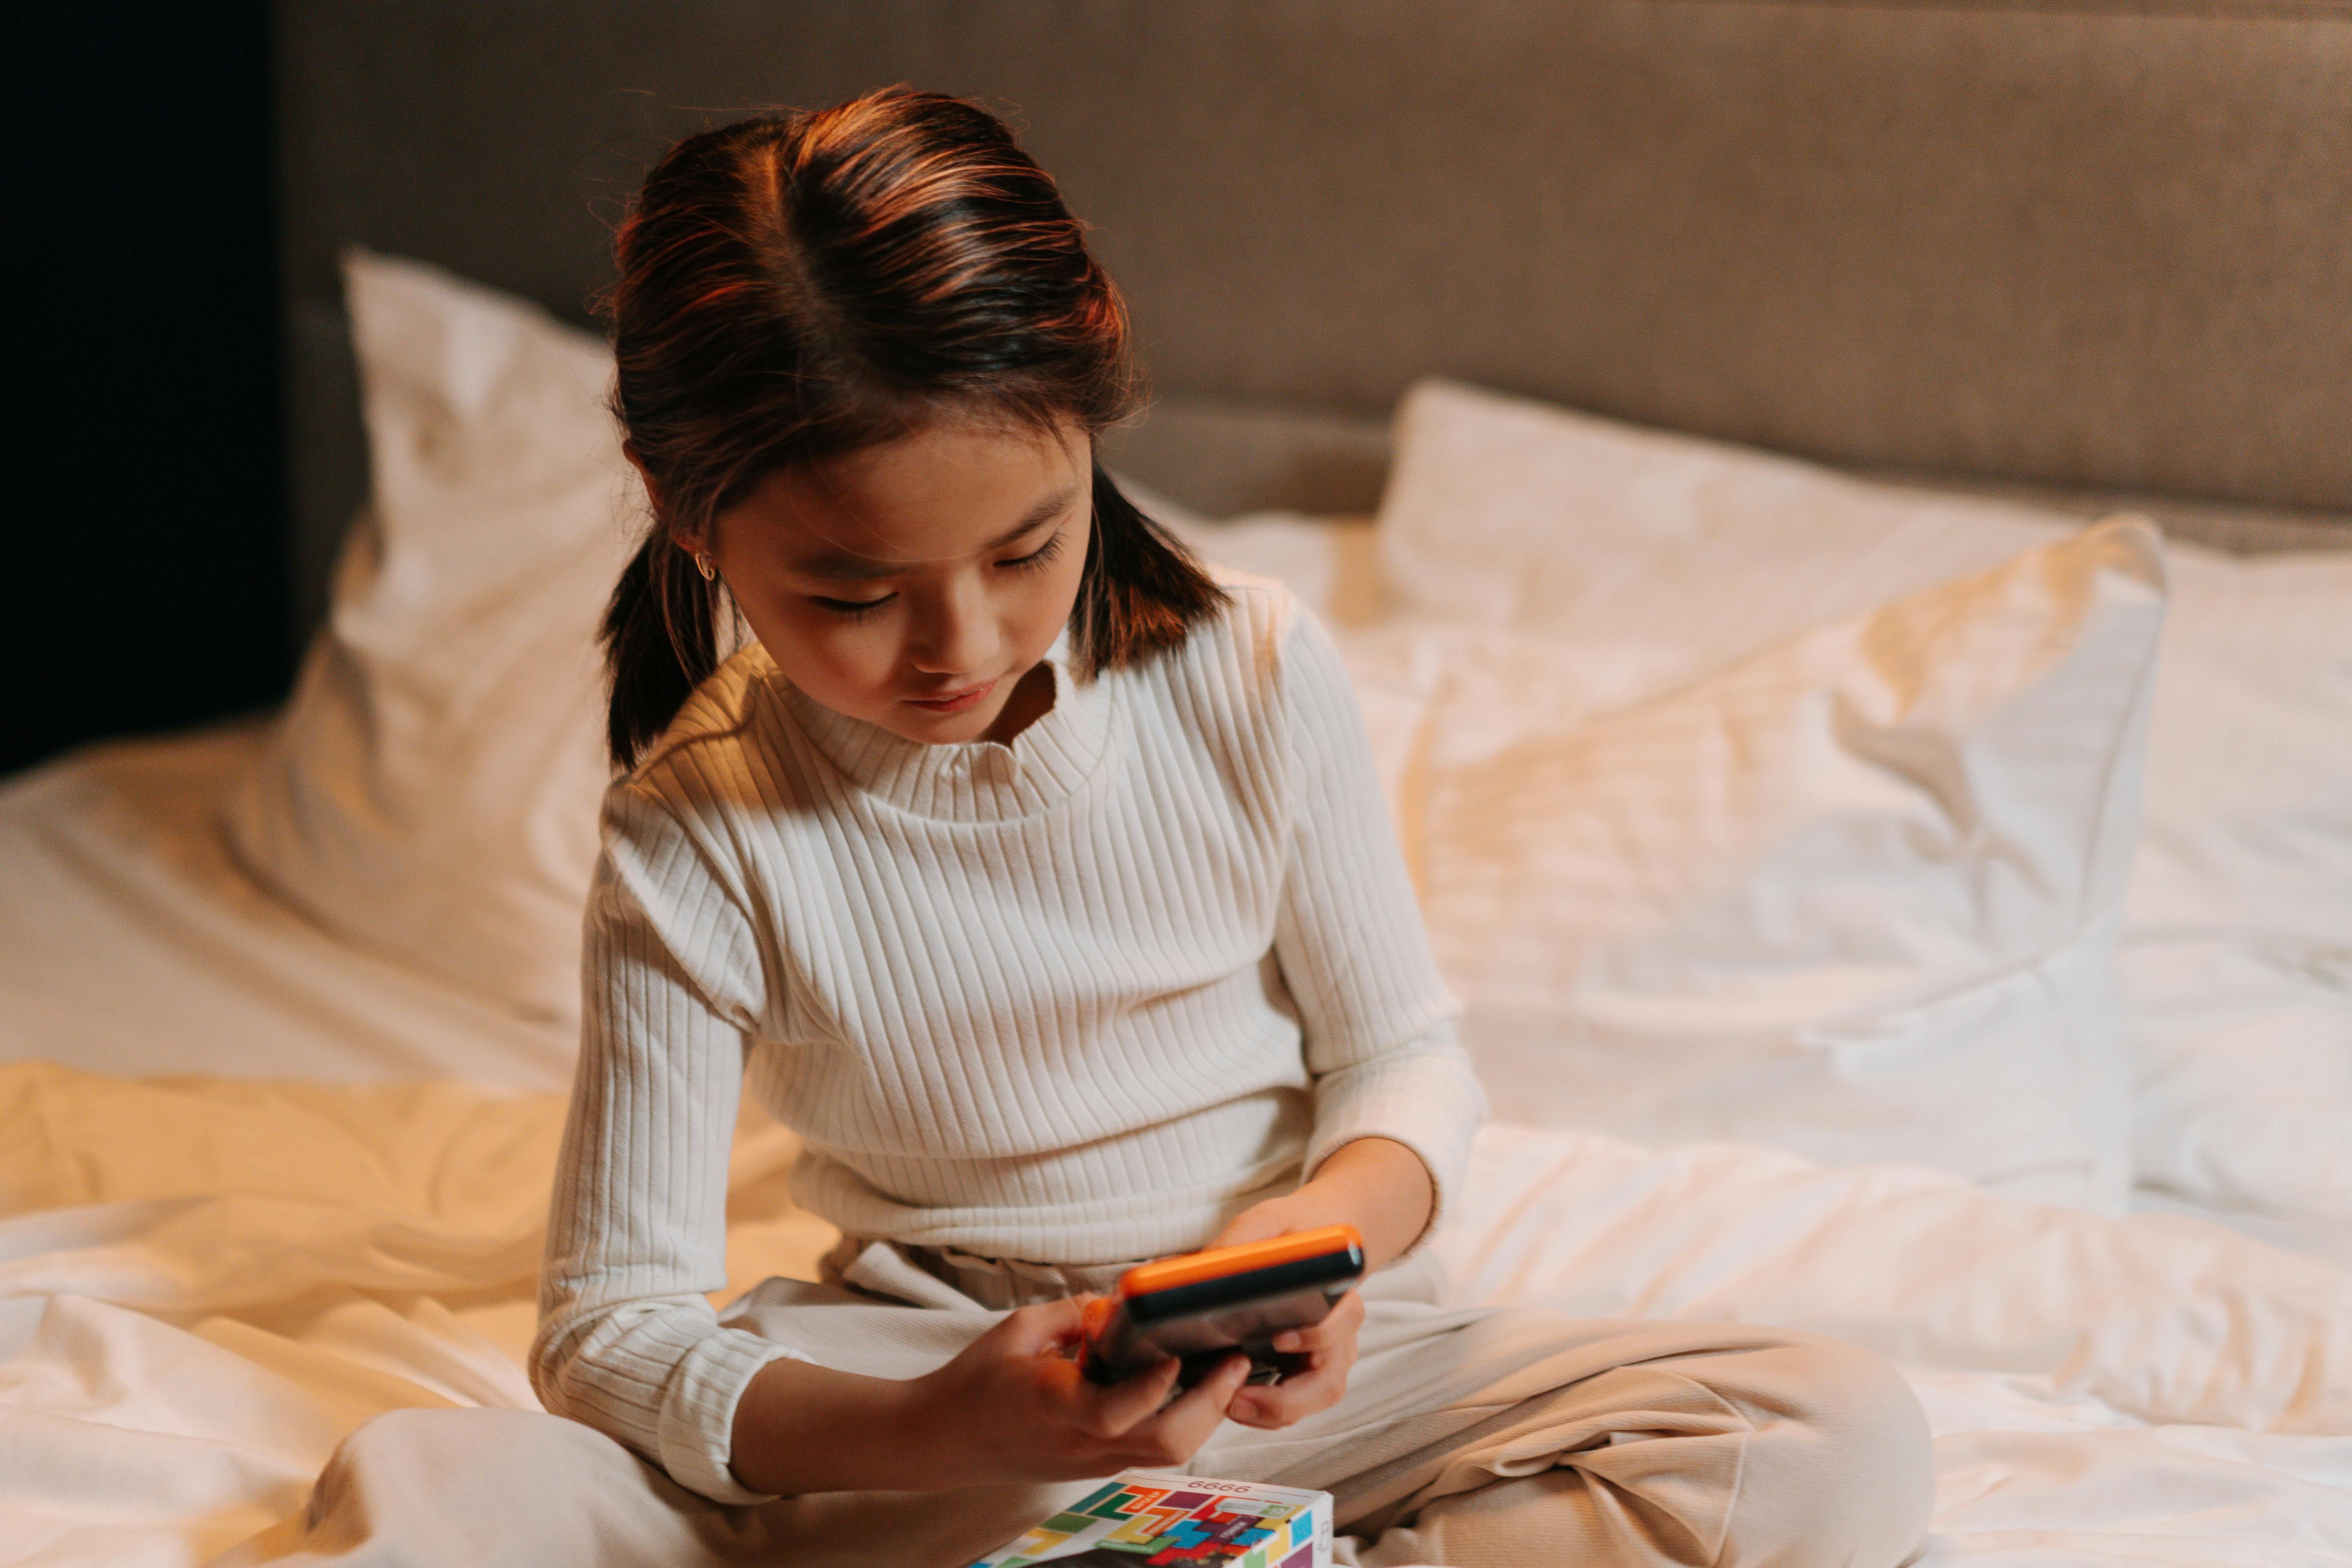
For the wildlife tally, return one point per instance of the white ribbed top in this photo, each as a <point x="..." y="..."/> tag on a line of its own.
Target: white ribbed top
<point x="1076" y="999"/>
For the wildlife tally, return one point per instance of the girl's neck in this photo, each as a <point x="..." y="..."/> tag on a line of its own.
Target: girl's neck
<point x="1031" y="700"/>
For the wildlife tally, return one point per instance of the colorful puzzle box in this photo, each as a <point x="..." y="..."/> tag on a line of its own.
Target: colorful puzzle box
<point x="1158" y="1518"/>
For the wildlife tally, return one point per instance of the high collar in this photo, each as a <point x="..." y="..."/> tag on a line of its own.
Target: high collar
<point x="974" y="781"/>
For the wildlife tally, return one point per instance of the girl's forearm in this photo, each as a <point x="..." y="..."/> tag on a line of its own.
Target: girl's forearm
<point x="1381" y="1188"/>
<point x="1010" y="1406"/>
<point x="801" y="1427"/>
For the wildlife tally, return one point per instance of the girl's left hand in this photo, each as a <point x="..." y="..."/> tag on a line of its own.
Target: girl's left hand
<point x="1329" y="1347"/>
<point x="1381" y="1188"/>
<point x="1376" y="1184"/>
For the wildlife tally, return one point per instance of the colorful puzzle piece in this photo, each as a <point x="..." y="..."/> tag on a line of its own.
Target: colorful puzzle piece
<point x="1151" y="1520"/>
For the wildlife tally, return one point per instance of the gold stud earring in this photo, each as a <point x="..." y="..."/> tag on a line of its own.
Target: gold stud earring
<point x="702" y="564"/>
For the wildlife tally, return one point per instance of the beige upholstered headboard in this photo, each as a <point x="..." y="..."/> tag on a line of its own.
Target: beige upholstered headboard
<point x="2077" y="242"/>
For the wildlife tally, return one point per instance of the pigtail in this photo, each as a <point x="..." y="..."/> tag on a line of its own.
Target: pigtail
<point x="660" y="642"/>
<point x="1142" y="590"/>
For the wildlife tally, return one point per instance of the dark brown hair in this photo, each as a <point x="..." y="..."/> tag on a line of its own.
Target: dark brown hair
<point x="798" y="286"/>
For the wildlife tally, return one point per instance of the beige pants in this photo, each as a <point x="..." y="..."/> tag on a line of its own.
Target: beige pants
<point x="1469" y="1435"/>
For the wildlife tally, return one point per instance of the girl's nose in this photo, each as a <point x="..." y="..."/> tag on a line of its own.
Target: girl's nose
<point x="953" y="633"/>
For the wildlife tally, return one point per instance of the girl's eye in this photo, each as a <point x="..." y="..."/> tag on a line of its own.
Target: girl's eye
<point x="1038" y="558"/>
<point x="853" y="609"/>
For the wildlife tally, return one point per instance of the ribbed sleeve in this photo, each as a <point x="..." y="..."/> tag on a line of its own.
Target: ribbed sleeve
<point x="1077" y="999"/>
<point x="637" y="1231"/>
<point x="1376" y="1019"/>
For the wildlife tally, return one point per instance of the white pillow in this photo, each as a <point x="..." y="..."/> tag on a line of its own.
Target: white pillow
<point x="2237" y="964"/>
<point x="2250" y="783"/>
<point x="1665" y="556"/>
<point x="1854" y="895"/>
<point x="1501" y="512"/>
<point x="432" y="790"/>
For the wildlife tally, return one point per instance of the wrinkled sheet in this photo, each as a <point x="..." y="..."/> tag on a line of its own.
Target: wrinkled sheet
<point x="206" y="1284"/>
<point x="132" y="942"/>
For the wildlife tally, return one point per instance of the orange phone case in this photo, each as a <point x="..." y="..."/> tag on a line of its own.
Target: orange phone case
<point x="1202" y="1306"/>
<point x="1217" y="1262"/>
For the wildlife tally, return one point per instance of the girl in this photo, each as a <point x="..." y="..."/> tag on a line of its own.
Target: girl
<point x="1040" y="879"/>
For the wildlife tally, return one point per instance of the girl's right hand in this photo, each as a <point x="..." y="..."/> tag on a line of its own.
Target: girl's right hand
<point x="1013" y="1406"/>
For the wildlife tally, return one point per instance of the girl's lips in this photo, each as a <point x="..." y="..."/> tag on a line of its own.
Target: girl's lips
<point x="954" y="703"/>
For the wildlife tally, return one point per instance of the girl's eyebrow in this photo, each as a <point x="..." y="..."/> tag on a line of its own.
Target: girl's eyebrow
<point x="841" y="566"/>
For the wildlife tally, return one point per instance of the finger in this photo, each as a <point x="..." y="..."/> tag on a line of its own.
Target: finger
<point x="1036" y="1330"/>
<point x="1177" y="1433"/>
<point x="1251" y="1225"/>
<point x="1338" y="1328"/>
<point x="1128" y="1403"/>
<point x="1267" y="1405"/>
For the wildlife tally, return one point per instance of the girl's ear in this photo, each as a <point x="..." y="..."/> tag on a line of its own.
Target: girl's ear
<point x="653" y="491"/>
<point x="691" y="545"/>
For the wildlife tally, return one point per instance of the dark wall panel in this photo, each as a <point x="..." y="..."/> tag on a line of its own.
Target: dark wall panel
<point x="2086" y="242"/>
<point x="147" y="564"/>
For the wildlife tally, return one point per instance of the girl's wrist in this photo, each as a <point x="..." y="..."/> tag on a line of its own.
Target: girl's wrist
<point x="1386" y="1187"/>
<point x="806" y="1428"/>
<point x="932" y="1427"/>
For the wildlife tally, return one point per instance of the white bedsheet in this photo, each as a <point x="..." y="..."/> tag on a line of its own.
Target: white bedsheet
<point x="129" y="942"/>
<point x="204" y="1285"/>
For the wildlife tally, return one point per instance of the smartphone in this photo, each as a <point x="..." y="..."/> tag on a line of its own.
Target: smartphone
<point x="1202" y="1306"/>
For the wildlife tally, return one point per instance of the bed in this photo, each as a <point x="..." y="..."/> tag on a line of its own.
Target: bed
<point x="1917" y="909"/>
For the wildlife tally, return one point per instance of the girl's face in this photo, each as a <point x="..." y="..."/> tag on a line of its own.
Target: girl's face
<point x="916" y="584"/>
